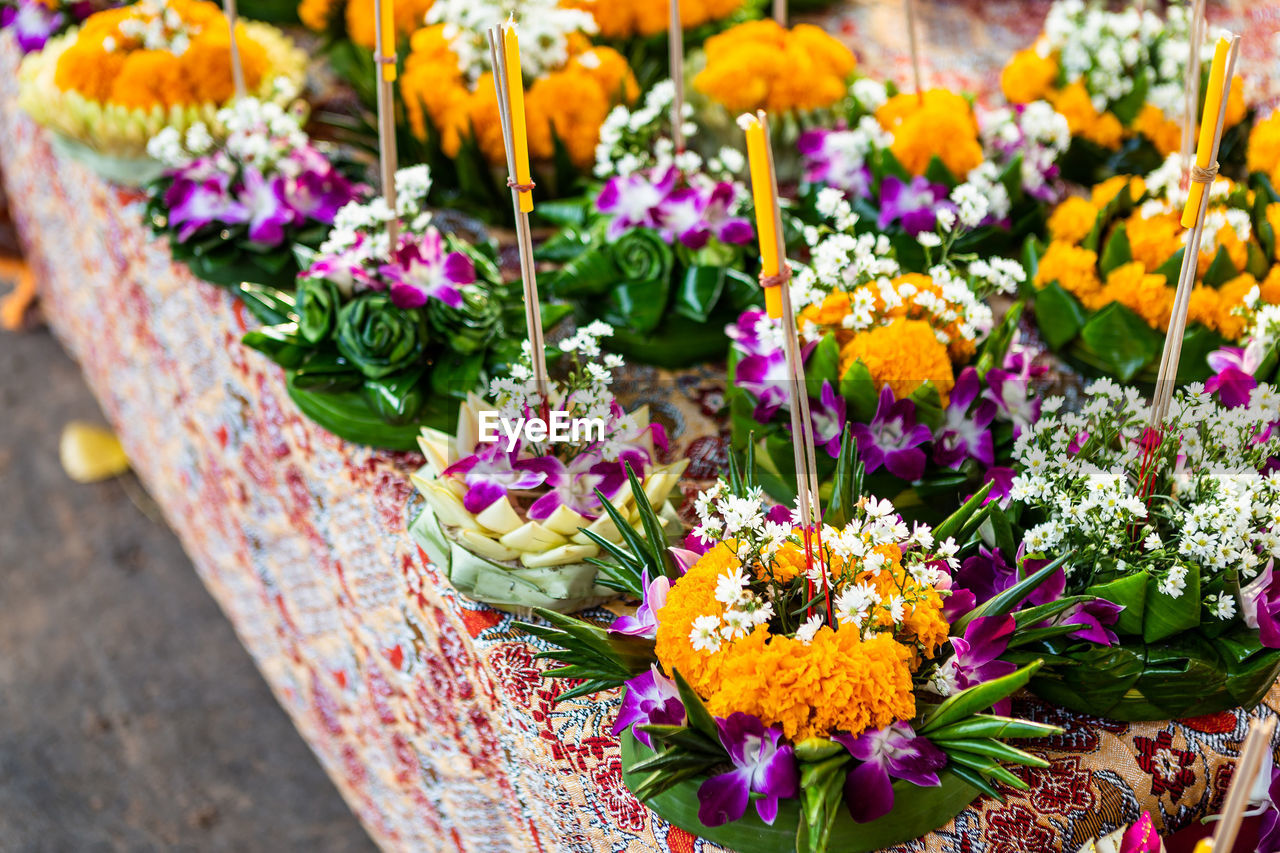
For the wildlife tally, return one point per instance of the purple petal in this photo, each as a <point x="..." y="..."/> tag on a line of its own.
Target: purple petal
<point x="724" y="798"/>
<point x="868" y="792"/>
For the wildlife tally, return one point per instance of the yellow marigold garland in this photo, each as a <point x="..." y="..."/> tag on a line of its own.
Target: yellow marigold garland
<point x="572" y="101"/>
<point x="903" y="355"/>
<point x="761" y="65"/>
<point x="941" y="124"/>
<point x="838" y="681"/>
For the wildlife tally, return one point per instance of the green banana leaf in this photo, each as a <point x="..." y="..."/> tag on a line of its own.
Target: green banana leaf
<point x="916" y="812"/>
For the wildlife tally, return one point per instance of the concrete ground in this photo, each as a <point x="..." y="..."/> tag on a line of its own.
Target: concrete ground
<point x="131" y="718"/>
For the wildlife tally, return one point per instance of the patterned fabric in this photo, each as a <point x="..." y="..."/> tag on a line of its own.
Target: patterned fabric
<point x="426" y="710"/>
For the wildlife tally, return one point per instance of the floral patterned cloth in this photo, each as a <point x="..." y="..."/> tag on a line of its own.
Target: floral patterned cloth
<point x="427" y="710"/>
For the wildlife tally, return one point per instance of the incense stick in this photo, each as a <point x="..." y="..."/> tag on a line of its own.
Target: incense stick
<point x="524" y="235"/>
<point x="385" y="56"/>
<point x="1256" y="744"/>
<point x="1167" y="375"/>
<point x="237" y="68"/>
<point x="780" y="12"/>
<point x="675" y="42"/>
<point x="915" y="48"/>
<point x="1191" y="94"/>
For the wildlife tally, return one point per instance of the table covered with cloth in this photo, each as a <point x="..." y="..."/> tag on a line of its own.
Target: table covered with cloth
<point x="426" y="709"/>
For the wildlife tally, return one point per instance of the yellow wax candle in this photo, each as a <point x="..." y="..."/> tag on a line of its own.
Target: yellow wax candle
<point x="1205" y="845"/>
<point x="388" y="40"/>
<point x="1208" y="127"/>
<point x="515" y="97"/>
<point x="764" y="194"/>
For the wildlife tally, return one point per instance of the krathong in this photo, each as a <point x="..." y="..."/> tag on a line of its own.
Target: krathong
<point x="108" y="87"/>
<point x="34" y="22"/>
<point x="656" y="248"/>
<point x="516" y="519"/>
<point x="379" y="341"/>
<point x="449" y="98"/>
<point x="933" y="389"/>
<point x="1118" y="77"/>
<point x="236" y="210"/>
<point x="1169" y="535"/>
<point x="902" y="158"/>
<point x="1104" y="285"/>
<point x="787" y="691"/>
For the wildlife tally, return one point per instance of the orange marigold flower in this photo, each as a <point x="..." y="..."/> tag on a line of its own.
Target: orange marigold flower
<point x="1236" y="107"/>
<point x="1103" y="193"/>
<point x="1273" y="219"/>
<point x="937" y="132"/>
<point x="361" y="22"/>
<point x="903" y="355"/>
<point x="1146" y="294"/>
<point x="837" y="683"/>
<point x="1074" y="268"/>
<point x="761" y="65"/>
<point x="1083" y="120"/>
<point x="316" y="14"/>
<point x="1155" y="239"/>
<point x="1269" y="287"/>
<point x="1164" y="133"/>
<point x="1028" y="77"/>
<point x="1073" y="220"/>
<point x="1264" y="145"/>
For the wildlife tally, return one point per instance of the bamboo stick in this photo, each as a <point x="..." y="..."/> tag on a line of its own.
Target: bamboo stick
<point x="675" y="42"/>
<point x="385" y="56"/>
<point x="913" y="42"/>
<point x="237" y="67"/>
<point x="1256" y="745"/>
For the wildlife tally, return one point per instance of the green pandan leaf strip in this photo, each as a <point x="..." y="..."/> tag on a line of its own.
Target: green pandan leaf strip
<point x="1005" y="602"/>
<point x="990" y="748"/>
<point x="993" y="726"/>
<point x="977" y="699"/>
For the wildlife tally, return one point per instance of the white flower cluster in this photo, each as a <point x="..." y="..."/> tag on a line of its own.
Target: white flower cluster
<point x="584" y="393"/>
<point x="359" y="228"/>
<point x="1038" y="133"/>
<point x="863" y="266"/>
<point x="1113" y="51"/>
<point x="542" y="26"/>
<point x="858" y="601"/>
<point x="1211" y="508"/>
<point x="258" y="133"/>
<point x="639" y="140"/>
<point x="1167" y="195"/>
<point x="155" y="26"/>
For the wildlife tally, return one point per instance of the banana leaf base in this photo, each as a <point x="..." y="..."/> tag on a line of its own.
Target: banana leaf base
<point x="511" y="587"/>
<point x="348" y="415"/>
<point x="1133" y="681"/>
<point x="134" y="172"/>
<point x="916" y="812"/>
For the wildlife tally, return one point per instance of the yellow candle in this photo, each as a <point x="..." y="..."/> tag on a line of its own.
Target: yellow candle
<point x="388" y="40"/>
<point x="1208" y="128"/>
<point x="515" y="97"/>
<point x="764" y="194"/>
<point x="1205" y="845"/>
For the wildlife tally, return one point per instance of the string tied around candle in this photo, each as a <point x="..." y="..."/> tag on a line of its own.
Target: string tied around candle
<point x="1206" y="175"/>
<point x="518" y="187"/>
<point x="783" y="277"/>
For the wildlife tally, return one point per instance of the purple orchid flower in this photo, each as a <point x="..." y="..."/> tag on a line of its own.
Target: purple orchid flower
<point x="423" y="271"/>
<point x="199" y="196"/>
<point x="317" y="191"/>
<point x="828" y="419"/>
<point x="835" y="158"/>
<point x="645" y="621"/>
<point x="634" y="201"/>
<point x="574" y="485"/>
<point x="977" y="657"/>
<point x="762" y="372"/>
<point x="893" y="438"/>
<point x="33" y="22"/>
<point x="734" y="230"/>
<point x="914" y="204"/>
<point x="1234" y="368"/>
<point x="895" y="751"/>
<point x="964" y="435"/>
<point x="1011" y="392"/>
<point x="492" y="473"/>
<point x="1260" y="606"/>
<point x="651" y="699"/>
<point x="987" y="574"/>
<point x="761" y="765"/>
<point x="694" y="215"/>
<point x="346" y="269"/>
<point x="1001" y="479"/>
<point x="1141" y="837"/>
<point x="264" y="201"/>
<point x="1269" y="831"/>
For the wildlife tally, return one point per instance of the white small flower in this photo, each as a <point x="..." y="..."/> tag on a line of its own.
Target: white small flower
<point x="806" y="632"/>
<point x="705" y="636"/>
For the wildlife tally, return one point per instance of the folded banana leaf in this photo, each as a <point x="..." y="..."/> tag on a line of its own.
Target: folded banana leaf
<point x="916" y="812"/>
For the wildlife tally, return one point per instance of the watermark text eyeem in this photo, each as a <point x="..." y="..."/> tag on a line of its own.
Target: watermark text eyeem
<point x="557" y="428"/>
